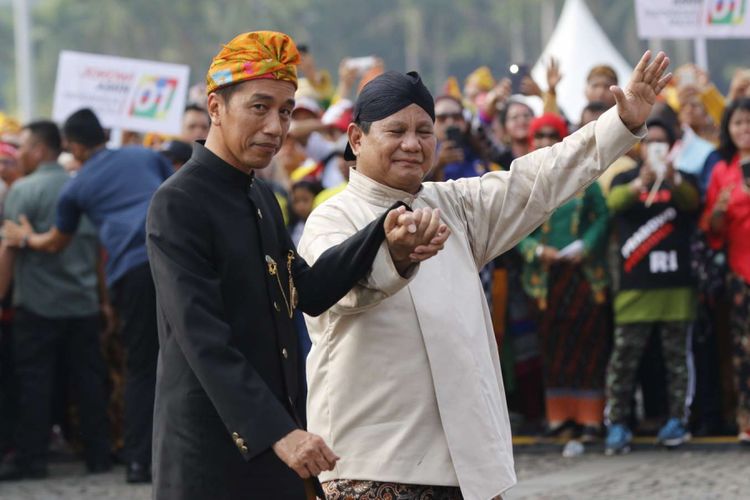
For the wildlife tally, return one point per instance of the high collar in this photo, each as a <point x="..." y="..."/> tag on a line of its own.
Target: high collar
<point x="205" y="156"/>
<point x="376" y="193"/>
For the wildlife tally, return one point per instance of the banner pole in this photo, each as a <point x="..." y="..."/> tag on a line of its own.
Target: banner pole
<point x="24" y="60"/>
<point x="701" y="52"/>
<point x="115" y="138"/>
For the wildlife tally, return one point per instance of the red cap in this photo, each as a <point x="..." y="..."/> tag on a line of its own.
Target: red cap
<point x="339" y="115"/>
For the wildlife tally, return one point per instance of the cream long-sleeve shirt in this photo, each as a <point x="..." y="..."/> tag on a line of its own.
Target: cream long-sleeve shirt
<point x="404" y="377"/>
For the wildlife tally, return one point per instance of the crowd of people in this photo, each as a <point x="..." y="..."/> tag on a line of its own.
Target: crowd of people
<point x="627" y="310"/>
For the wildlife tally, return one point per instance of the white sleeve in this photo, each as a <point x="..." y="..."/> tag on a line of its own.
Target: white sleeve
<point x="501" y="208"/>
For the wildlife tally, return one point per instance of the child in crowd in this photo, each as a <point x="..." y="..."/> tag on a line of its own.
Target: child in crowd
<point x="302" y="195"/>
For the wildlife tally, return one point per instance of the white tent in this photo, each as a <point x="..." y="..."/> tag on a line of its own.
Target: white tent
<point x="579" y="44"/>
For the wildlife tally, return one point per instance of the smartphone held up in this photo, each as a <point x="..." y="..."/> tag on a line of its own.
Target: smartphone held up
<point x="361" y="64"/>
<point x="517" y="72"/>
<point x="454" y="135"/>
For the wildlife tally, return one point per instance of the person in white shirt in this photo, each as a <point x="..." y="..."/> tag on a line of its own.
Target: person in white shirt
<point x="404" y="375"/>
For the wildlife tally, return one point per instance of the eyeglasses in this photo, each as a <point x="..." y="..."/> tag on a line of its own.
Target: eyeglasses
<point x="547" y="135"/>
<point x="445" y="116"/>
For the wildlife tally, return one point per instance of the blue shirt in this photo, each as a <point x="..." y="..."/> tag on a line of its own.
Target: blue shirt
<point x="114" y="189"/>
<point x="693" y="155"/>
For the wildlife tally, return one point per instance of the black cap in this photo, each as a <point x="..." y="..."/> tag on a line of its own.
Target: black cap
<point x="387" y="94"/>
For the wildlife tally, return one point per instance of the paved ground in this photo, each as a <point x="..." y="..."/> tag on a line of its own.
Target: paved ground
<point x="69" y="481"/>
<point x="722" y="473"/>
<point x="657" y="474"/>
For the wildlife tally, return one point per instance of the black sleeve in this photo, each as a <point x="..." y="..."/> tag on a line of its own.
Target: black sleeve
<point x="339" y="268"/>
<point x="189" y="297"/>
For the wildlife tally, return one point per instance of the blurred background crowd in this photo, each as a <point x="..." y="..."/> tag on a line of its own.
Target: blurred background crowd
<point x="626" y="312"/>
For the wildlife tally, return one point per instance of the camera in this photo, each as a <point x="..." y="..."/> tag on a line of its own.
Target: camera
<point x="454" y="135"/>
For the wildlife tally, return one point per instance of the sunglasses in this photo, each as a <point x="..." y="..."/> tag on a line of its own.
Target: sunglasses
<point x="445" y="116"/>
<point x="546" y="135"/>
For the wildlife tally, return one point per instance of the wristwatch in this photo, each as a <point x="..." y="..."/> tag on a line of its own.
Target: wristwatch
<point x="24" y="241"/>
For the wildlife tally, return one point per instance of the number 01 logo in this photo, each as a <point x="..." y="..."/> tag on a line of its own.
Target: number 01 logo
<point x="153" y="96"/>
<point x="726" y="11"/>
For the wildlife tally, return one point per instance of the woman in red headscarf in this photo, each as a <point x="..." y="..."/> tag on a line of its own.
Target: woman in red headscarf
<point x="565" y="273"/>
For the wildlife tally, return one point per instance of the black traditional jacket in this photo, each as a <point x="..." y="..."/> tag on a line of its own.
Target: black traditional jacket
<point x="230" y="382"/>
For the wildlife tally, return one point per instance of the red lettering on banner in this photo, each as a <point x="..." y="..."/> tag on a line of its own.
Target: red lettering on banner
<point x="105" y="74"/>
<point x="644" y="248"/>
<point x="661" y="196"/>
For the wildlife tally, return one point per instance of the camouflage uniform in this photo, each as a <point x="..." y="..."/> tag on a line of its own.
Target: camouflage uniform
<point x="630" y="341"/>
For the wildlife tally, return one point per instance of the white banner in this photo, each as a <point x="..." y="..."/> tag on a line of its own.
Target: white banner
<point x="692" y="18"/>
<point x="131" y="94"/>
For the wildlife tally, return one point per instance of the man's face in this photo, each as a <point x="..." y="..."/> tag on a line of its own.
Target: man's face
<point x="253" y="122"/>
<point x="654" y="135"/>
<point x="448" y="113"/>
<point x="398" y="151"/>
<point x="597" y="89"/>
<point x="693" y="114"/>
<point x="29" y="151"/>
<point x="195" y="125"/>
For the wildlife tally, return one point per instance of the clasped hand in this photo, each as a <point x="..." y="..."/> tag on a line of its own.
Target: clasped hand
<point x="414" y="236"/>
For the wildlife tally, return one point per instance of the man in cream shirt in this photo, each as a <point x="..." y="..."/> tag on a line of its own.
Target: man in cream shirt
<point x="404" y="377"/>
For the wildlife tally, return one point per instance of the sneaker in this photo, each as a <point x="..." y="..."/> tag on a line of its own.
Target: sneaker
<point x="618" y="440"/>
<point x="744" y="437"/>
<point x="673" y="434"/>
<point x="573" y="448"/>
